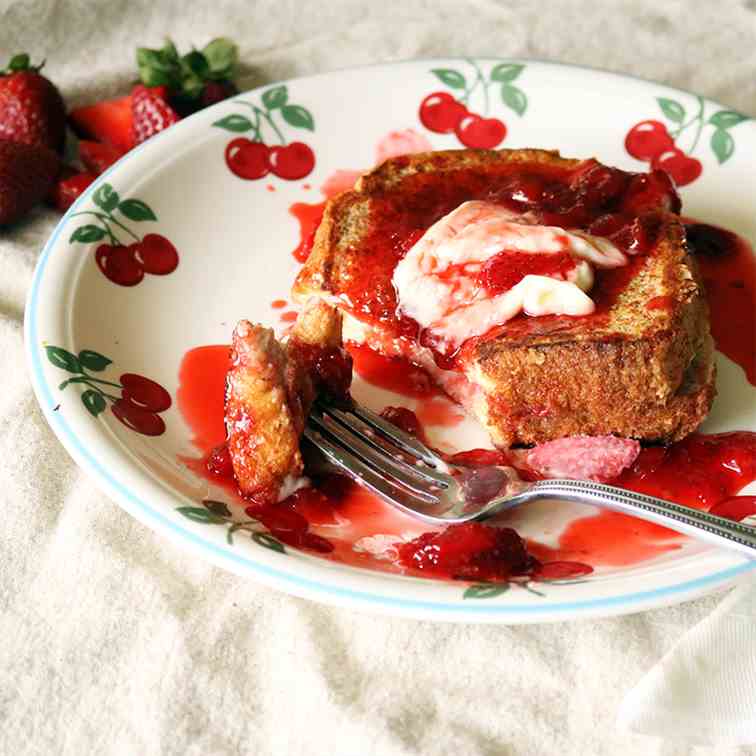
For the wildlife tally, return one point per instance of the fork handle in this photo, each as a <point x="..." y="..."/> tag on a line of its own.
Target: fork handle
<point x="693" y="522"/>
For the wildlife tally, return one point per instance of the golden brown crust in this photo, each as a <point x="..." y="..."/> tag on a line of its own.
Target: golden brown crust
<point x="618" y="374"/>
<point x="262" y="425"/>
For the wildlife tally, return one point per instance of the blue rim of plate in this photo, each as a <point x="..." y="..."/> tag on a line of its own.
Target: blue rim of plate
<point x="300" y="585"/>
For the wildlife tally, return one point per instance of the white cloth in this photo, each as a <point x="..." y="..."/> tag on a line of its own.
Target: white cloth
<point x="704" y="690"/>
<point x="114" y="641"/>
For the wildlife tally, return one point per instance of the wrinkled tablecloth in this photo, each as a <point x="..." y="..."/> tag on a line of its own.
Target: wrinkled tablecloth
<point x="115" y="641"/>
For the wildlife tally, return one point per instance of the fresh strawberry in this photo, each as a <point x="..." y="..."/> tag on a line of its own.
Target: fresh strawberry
<point x="107" y="121"/>
<point x="31" y="108"/>
<point x="27" y="173"/>
<point x="69" y="188"/>
<point x="98" y="156"/>
<point x="150" y="112"/>
<point x="217" y="91"/>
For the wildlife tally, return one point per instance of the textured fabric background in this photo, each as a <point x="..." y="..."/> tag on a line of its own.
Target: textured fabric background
<point x="114" y="641"/>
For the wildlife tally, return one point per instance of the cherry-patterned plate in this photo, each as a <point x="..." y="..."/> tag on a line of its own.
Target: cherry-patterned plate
<point x="137" y="291"/>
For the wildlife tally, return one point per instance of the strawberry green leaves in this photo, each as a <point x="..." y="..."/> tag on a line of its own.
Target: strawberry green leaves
<point x="185" y="76"/>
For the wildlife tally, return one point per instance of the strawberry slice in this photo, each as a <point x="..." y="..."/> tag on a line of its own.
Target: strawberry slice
<point x="107" y="121"/>
<point x="69" y="188"/>
<point x="98" y="156"/>
<point x="151" y="113"/>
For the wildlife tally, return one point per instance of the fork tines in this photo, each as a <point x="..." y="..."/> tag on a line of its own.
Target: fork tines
<point x="379" y="455"/>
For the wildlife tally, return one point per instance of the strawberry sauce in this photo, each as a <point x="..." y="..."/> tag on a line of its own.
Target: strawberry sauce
<point x="728" y="267"/>
<point x="702" y="471"/>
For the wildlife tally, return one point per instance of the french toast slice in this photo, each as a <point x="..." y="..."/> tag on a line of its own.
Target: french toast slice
<point x="270" y="388"/>
<point x="640" y="366"/>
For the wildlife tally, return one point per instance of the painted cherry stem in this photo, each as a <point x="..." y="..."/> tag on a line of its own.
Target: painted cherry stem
<point x="479" y="79"/>
<point x="698" y="118"/>
<point x="264" y="114"/>
<point x="106" y="218"/>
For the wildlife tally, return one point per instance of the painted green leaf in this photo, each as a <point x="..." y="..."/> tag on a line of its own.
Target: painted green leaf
<point x="106" y="197"/>
<point x="514" y="98"/>
<point x="199" y="514"/>
<point x="63" y="359"/>
<point x="451" y="78"/>
<point x="87" y="234"/>
<point x="234" y="122"/>
<point x="267" y="540"/>
<point x="672" y="109"/>
<point x="485" y="590"/>
<point x="94" y="401"/>
<point x="217" y="507"/>
<point x="726" y="119"/>
<point x="506" y="72"/>
<point x="93" y="360"/>
<point x="722" y="145"/>
<point x="275" y="98"/>
<point x="297" y="116"/>
<point x="137" y="210"/>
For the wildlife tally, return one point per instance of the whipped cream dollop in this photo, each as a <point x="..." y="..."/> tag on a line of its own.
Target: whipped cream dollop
<point x="444" y="281"/>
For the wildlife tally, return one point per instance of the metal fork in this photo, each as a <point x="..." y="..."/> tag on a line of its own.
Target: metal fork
<point x="410" y="476"/>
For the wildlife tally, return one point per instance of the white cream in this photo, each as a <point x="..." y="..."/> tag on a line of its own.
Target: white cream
<point x="437" y="281"/>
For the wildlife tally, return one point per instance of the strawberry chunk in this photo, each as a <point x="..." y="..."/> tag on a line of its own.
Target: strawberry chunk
<point x="98" y="156"/>
<point x="107" y="121"/>
<point x="67" y="190"/>
<point x="151" y="113"/>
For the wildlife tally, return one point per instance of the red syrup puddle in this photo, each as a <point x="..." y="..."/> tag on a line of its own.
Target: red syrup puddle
<point x="288" y="317"/>
<point x="701" y="471"/>
<point x="728" y="268"/>
<point x="278" y="304"/>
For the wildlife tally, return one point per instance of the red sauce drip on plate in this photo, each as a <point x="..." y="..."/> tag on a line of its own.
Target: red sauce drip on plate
<point x="392" y="373"/>
<point x="309" y="217"/>
<point x="728" y="267"/>
<point x="702" y="471"/>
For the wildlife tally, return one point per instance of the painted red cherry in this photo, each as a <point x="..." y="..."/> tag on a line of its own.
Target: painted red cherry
<point x="292" y="161"/>
<point x="481" y="133"/>
<point x="119" y="264"/>
<point x="441" y="113"/>
<point x="683" y="168"/>
<point x="247" y="159"/>
<point x="137" y="418"/>
<point x="157" y="255"/>
<point x="648" y="139"/>
<point x="144" y="392"/>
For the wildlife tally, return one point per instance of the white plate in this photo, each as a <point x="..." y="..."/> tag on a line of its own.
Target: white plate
<point x="234" y="239"/>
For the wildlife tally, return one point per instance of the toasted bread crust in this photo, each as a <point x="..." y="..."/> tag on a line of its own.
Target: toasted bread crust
<point x="551" y="377"/>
